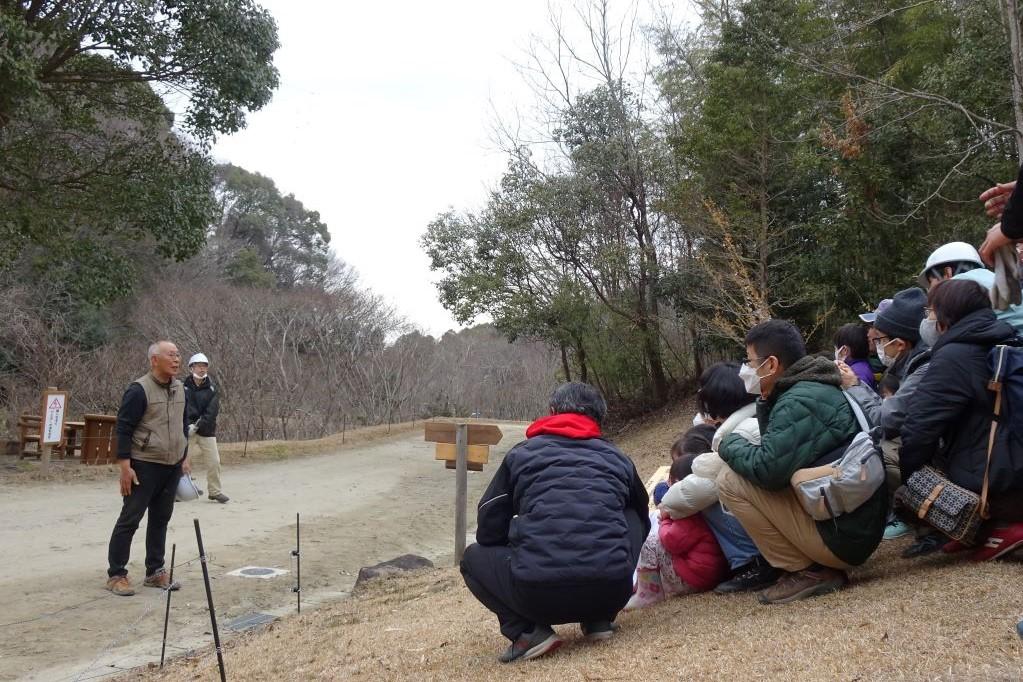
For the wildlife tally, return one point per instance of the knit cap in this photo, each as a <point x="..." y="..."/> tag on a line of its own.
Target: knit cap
<point x="901" y="320"/>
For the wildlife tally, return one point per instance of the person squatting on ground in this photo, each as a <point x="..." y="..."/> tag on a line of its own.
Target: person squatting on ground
<point x="152" y="451"/>
<point x="682" y="557"/>
<point x="805" y="421"/>
<point x="559" y="529"/>
<point x="906" y="353"/>
<point x="949" y="419"/>
<point x="723" y="401"/>
<point x="202" y="404"/>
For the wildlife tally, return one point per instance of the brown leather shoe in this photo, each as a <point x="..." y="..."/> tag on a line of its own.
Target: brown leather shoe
<point x="162" y="580"/>
<point x="809" y="582"/>
<point x="120" y="585"/>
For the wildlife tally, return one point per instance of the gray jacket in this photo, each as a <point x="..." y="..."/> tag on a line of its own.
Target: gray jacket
<point x="890" y="413"/>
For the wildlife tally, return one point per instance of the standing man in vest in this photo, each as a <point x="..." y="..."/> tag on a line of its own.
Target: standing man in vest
<point x="202" y="403"/>
<point x="152" y="450"/>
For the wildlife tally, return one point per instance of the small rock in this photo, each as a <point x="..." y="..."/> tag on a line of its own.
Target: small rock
<point x="401" y="564"/>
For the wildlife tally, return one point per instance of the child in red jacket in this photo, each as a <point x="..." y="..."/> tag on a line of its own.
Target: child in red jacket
<point x="683" y="558"/>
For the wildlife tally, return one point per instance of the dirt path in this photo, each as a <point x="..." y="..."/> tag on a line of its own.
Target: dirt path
<point x="358" y="507"/>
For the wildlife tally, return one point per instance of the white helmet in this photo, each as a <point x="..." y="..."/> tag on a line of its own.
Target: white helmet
<point x="187" y="489"/>
<point x="946" y="254"/>
<point x="198" y="357"/>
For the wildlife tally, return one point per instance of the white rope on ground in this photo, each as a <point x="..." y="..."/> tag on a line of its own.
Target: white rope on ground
<point x="150" y="605"/>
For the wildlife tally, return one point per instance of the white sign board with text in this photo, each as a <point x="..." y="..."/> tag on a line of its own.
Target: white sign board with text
<point x="54" y="404"/>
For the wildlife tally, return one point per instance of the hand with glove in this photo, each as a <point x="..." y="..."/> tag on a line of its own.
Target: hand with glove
<point x="192" y="428"/>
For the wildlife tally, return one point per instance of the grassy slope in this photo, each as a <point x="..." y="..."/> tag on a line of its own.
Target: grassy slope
<point x="935" y="618"/>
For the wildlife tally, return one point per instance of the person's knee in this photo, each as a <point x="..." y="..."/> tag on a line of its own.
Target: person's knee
<point x="729" y="483"/>
<point x="468" y="559"/>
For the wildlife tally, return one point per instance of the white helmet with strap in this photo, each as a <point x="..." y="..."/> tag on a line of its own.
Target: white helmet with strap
<point x="947" y="254"/>
<point x="198" y="357"/>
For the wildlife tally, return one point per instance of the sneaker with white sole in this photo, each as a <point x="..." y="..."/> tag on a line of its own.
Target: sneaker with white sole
<point x="542" y="640"/>
<point x="1000" y="541"/>
<point x="599" y="630"/>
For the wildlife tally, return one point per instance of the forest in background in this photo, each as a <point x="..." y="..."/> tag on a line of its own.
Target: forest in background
<point x="671" y="185"/>
<point x="675" y="184"/>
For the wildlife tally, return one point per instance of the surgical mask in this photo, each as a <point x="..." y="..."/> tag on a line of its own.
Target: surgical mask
<point x="841" y="353"/>
<point x="199" y="377"/>
<point x="929" y="332"/>
<point x="882" y="356"/>
<point x="698" y="419"/>
<point x="750" y="378"/>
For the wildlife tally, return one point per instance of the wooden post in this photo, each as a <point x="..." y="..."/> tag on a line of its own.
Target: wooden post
<point x="461" y="462"/>
<point x="344" y="425"/>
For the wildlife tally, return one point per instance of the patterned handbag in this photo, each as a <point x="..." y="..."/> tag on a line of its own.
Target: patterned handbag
<point x="955" y="511"/>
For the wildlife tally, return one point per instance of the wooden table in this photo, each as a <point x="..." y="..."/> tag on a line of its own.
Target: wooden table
<point x="73" y="437"/>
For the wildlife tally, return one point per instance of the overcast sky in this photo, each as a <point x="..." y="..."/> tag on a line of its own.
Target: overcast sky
<point x="382" y="120"/>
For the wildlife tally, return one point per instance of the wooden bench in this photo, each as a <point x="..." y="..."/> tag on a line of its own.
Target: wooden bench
<point x="99" y="442"/>
<point x="29" y="427"/>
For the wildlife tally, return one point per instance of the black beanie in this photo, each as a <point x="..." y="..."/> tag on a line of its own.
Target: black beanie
<point x="901" y="320"/>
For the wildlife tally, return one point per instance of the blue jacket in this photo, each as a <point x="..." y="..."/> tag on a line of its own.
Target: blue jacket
<point x="560" y="503"/>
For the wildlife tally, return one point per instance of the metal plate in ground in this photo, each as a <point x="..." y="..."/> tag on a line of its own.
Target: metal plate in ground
<point x="257" y="572"/>
<point x="249" y="621"/>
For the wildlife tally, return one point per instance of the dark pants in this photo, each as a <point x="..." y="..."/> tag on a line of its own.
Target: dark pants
<point x="521" y="606"/>
<point x="155" y="492"/>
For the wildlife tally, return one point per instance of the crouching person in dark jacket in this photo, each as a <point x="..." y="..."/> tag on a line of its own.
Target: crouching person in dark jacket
<point x="559" y="529"/>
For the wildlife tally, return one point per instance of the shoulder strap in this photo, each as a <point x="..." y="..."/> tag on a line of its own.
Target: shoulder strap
<point x="858" y="411"/>
<point x="994" y="385"/>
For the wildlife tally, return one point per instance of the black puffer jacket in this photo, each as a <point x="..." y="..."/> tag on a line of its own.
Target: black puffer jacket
<point x="202" y="403"/>
<point x="561" y="503"/>
<point x="949" y="414"/>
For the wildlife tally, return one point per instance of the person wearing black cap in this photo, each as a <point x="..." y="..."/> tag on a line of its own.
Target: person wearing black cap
<point x="899" y="347"/>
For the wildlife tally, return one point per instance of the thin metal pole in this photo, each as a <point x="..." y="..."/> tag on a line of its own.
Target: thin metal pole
<point x="461" y="463"/>
<point x="344" y="425"/>
<point x="166" y="615"/>
<point x="209" y="601"/>
<point x="297" y="553"/>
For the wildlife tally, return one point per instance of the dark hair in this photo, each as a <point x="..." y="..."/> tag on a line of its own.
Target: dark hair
<point x="722" y="391"/>
<point x="854" y="337"/>
<point x="953" y="299"/>
<point x="578" y="398"/>
<point x="890" y="382"/>
<point x="695" y="441"/>
<point x="682" y="467"/>
<point x="778" y="338"/>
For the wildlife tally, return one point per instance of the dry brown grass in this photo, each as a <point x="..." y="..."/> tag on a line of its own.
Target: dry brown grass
<point x="933" y="618"/>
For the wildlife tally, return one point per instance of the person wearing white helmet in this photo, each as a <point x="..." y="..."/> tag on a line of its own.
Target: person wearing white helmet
<point x="959" y="260"/>
<point x="202" y="403"/>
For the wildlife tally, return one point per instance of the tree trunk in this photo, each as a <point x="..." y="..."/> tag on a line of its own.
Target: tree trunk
<point x="1010" y="12"/>
<point x="564" y="363"/>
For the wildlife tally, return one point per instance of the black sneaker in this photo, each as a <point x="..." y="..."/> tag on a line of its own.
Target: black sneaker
<point x="925" y="544"/>
<point x="756" y="575"/>
<point x="532" y="645"/>
<point x="598" y="630"/>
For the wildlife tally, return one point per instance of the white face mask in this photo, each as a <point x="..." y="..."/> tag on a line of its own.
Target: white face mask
<point x="698" y="419"/>
<point x="882" y="356"/>
<point x="929" y="332"/>
<point x="199" y="377"/>
<point x="750" y="378"/>
<point x="841" y="353"/>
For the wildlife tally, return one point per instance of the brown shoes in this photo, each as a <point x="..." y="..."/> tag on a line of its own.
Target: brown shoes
<point x="162" y="580"/>
<point x="809" y="582"/>
<point x="120" y="585"/>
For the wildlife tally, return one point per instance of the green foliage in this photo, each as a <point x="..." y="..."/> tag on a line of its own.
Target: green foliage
<point x="95" y="186"/>
<point x="290" y="242"/>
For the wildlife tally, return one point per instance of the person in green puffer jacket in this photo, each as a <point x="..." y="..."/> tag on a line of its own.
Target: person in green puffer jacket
<point x="805" y="421"/>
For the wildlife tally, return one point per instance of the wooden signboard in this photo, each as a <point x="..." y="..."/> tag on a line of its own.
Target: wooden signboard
<point x="479" y="434"/>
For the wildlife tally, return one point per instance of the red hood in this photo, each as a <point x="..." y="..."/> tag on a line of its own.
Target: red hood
<point x="567" y="424"/>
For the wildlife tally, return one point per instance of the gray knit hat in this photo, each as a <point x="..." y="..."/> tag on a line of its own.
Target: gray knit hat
<point x="901" y="320"/>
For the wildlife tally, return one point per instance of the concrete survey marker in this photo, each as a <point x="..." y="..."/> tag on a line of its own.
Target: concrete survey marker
<point x="249" y="621"/>
<point x="257" y="572"/>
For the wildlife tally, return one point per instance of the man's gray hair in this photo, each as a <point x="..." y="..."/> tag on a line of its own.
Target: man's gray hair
<point x="154" y="349"/>
<point x="579" y="398"/>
